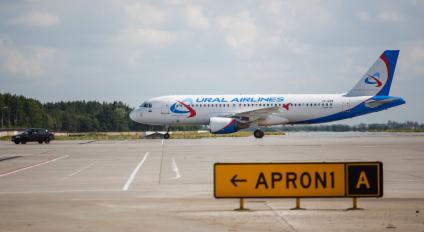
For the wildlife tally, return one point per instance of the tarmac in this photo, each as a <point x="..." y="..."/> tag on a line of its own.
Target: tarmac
<point x="167" y="185"/>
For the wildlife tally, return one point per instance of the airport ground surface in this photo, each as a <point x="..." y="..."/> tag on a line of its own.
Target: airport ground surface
<point x="96" y="186"/>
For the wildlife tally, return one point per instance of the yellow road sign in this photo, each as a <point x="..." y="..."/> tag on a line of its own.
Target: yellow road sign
<point x="241" y="180"/>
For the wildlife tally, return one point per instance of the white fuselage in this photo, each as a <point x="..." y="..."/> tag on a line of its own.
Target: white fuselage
<point x="292" y="108"/>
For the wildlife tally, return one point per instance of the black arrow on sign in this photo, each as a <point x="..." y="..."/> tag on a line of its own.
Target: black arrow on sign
<point x="234" y="180"/>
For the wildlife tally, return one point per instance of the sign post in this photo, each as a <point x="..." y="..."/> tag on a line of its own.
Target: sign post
<point x="298" y="180"/>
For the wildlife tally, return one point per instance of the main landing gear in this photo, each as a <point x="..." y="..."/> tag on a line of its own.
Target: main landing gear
<point x="166" y="136"/>
<point x="258" y="134"/>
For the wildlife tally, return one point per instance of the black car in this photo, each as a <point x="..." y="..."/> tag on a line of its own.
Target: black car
<point x="33" y="135"/>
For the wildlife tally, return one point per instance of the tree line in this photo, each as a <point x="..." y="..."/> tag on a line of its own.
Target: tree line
<point x="71" y="116"/>
<point x="362" y="127"/>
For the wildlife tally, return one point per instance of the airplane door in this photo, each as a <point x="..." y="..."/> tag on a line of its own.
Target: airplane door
<point x="165" y="109"/>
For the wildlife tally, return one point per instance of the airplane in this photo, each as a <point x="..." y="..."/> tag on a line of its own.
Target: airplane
<point x="229" y="113"/>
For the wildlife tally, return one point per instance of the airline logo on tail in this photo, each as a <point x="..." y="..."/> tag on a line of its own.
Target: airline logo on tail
<point x="184" y="104"/>
<point x="373" y="80"/>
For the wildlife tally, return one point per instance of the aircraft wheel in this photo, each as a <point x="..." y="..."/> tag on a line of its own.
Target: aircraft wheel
<point x="258" y="134"/>
<point x="166" y="136"/>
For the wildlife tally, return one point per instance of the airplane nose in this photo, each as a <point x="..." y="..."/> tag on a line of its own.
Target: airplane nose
<point x="134" y="115"/>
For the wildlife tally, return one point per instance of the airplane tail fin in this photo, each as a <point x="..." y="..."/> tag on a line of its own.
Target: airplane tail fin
<point x="378" y="79"/>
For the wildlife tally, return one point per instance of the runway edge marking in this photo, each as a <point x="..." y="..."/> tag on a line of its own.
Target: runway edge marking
<point x="32" y="166"/>
<point x="131" y="178"/>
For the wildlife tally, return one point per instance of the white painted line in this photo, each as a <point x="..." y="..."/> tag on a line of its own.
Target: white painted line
<point x="175" y="169"/>
<point x="131" y="178"/>
<point x="79" y="170"/>
<point x="32" y="166"/>
<point x="162" y="142"/>
<point x="61" y="191"/>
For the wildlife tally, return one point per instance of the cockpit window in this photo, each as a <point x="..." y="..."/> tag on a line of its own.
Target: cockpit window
<point x="146" y="105"/>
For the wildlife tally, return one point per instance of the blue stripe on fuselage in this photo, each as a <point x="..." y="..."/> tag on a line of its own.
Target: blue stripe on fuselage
<point x="358" y="110"/>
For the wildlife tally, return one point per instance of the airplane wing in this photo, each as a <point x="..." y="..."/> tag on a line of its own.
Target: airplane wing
<point x="253" y="115"/>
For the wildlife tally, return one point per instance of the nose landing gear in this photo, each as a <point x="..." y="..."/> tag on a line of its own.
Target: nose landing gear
<point x="166" y="136"/>
<point x="258" y="134"/>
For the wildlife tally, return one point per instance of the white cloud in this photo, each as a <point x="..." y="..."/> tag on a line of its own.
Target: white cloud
<point x="195" y="17"/>
<point x="363" y="16"/>
<point x="37" y="19"/>
<point x="411" y="58"/>
<point x="294" y="46"/>
<point x="389" y="16"/>
<point x="145" y="13"/>
<point x="272" y="7"/>
<point x="147" y="36"/>
<point x="240" y="33"/>
<point x="295" y="14"/>
<point x="31" y="62"/>
<point x="385" y="17"/>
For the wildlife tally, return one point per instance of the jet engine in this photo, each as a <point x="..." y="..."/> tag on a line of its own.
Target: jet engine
<point x="221" y="125"/>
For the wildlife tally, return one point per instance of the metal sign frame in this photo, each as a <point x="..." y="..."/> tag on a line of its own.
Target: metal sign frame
<point x="379" y="179"/>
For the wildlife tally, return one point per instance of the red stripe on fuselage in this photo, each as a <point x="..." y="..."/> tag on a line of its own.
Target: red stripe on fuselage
<point x="190" y="109"/>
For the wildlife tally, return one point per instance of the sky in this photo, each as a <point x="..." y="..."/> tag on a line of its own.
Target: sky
<point x="110" y="50"/>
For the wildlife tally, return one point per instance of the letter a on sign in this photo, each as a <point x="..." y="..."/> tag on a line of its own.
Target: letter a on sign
<point x="363" y="180"/>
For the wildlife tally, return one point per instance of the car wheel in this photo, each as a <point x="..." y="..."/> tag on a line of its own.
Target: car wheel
<point x="40" y="142"/>
<point x="16" y="142"/>
<point x="47" y="141"/>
